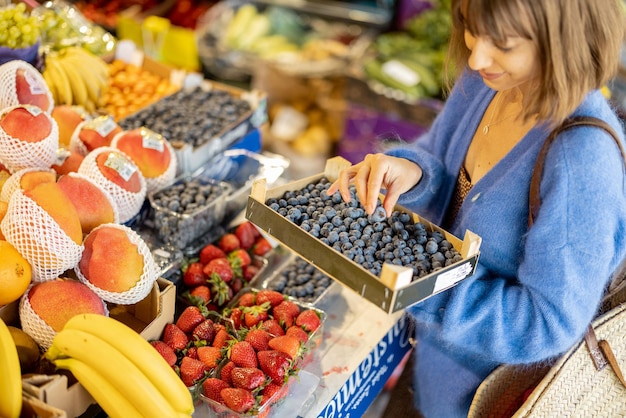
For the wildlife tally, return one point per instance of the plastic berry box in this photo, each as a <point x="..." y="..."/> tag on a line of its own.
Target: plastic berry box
<point x="395" y="288"/>
<point x="177" y="224"/>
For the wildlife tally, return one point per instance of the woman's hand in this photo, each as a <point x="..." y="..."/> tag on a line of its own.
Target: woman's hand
<point x="374" y="173"/>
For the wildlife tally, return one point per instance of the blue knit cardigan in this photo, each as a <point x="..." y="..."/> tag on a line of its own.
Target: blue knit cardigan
<point x="534" y="291"/>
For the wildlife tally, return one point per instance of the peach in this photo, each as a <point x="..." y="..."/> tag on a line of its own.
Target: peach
<point x="148" y="150"/>
<point x="97" y="132"/>
<point x="68" y="118"/>
<point x="103" y="245"/>
<point x="51" y="198"/>
<point x="93" y="204"/>
<point x="30" y="179"/>
<point x="31" y="88"/>
<point x="56" y="301"/>
<point x="67" y="161"/>
<point x="26" y="122"/>
<point x="119" y="169"/>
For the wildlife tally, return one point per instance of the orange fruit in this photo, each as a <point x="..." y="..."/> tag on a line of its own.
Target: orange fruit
<point x="15" y="273"/>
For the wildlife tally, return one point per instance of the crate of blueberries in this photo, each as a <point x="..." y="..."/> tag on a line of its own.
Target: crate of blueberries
<point x="202" y="120"/>
<point x="393" y="262"/>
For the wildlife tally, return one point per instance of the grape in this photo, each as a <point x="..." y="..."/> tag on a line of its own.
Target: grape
<point x="19" y="29"/>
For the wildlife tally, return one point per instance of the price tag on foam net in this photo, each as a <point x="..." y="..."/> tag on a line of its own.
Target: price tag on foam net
<point x="120" y="164"/>
<point x="152" y="140"/>
<point x="400" y="72"/>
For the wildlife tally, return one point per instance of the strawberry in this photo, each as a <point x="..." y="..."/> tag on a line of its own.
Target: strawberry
<point x="204" y="331"/>
<point x="174" y="337"/>
<point x="258" y="338"/>
<point x="220" y="267"/>
<point x="236" y="315"/>
<point x="210" y="252"/>
<point x="252" y="315"/>
<point x="249" y="272"/>
<point x="247" y="299"/>
<point x="210" y="356"/>
<point x="287" y="344"/>
<point x="200" y="295"/>
<point x="229" y="242"/>
<point x="236" y="284"/>
<point x="247" y="233"/>
<point x="189" y="318"/>
<point x="275" y="364"/>
<point x="243" y="355"/>
<point x="273" y="327"/>
<point x="191" y="352"/>
<point x="221" y="337"/>
<point x="165" y="351"/>
<point x="261" y="246"/>
<point x="220" y="290"/>
<point x="212" y="387"/>
<point x="273" y="392"/>
<point x="247" y="377"/>
<point x="192" y="370"/>
<point x="226" y="371"/>
<point x="267" y="295"/>
<point x="286" y="313"/>
<point x="309" y="320"/>
<point x="237" y="399"/>
<point x="193" y="275"/>
<point x="239" y="259"/>
<point x="299" y="333"/>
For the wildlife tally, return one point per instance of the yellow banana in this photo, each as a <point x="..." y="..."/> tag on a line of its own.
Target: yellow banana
<point x="114" y="367"/>
<point x="59" y="78"/>
<point x="140" y="352"/>
<point x="52" y="86"/>
<point x="93" y="83"/>
<point x="96" y="64"/>
<point x="11" y="381"/>
<point x="103" y="391"/>
<point x="77" y="83"/>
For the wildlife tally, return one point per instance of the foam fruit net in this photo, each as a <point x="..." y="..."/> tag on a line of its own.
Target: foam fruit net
<point x="33" y="325"/>
<point x="17" y="154"/>
<point x="128" y="203"/>
<point x="40" y="240"/>
<point x="8" y="89"/>
<point x="145" y="283"/>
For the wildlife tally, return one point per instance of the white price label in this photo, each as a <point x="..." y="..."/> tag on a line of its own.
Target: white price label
<point x="120" y="164"/>
<point x="152" y="140"/>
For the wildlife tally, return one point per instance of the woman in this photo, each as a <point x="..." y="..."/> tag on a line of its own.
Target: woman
<point x="525" y="66"/>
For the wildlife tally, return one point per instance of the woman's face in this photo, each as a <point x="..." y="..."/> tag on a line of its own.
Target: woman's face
<point x="503" y="66"/>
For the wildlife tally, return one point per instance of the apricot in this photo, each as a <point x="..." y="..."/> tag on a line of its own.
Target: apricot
<point x="68" y="118"/>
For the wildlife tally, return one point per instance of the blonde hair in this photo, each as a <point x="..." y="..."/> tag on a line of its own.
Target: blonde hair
<point x="578" y="44"/>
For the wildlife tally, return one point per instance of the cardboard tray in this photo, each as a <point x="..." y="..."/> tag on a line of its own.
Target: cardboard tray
<point x="391" y="292"/>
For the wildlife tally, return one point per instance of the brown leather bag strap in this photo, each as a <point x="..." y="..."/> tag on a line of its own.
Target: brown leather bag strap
<point x="600" y="351"/>
<point x="535" y="199"/>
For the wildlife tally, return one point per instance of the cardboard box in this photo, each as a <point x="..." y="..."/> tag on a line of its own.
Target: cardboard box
<point x="394" y="290"/>
<point x="148" y="317"/>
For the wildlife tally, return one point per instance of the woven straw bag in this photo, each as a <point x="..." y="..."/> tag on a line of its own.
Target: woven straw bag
<point x="587" y="381"/>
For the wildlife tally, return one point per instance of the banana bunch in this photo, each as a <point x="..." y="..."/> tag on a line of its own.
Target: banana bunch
<point x="75" y="76"/>
<point x="122" y="371"/>
<point x="11" y="381"/>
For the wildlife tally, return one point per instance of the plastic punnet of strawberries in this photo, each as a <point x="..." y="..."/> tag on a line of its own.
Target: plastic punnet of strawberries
<point x="274" y="333"/>
<point x="224" y="267"/>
